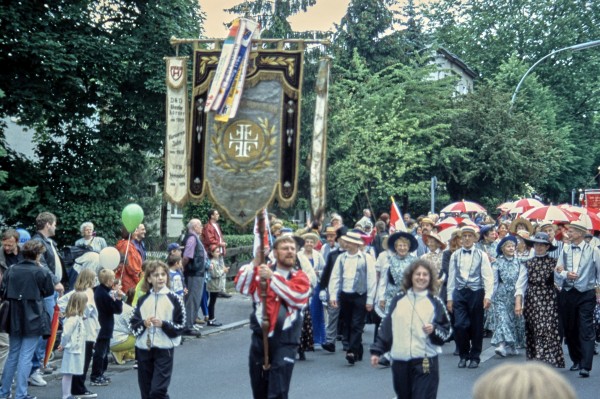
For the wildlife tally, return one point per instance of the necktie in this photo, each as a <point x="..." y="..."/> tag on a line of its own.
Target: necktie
<point x="467" y="251"/>
<point x="574" y="247"/>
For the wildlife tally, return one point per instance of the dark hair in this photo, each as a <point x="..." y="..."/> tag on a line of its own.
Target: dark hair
<point x="172" y="259"/>
<point x="10" y="233"/>
<point x="44" y="218"/>
<point x="124" y="233"/>
<point x="211" y="212"/>
<point x="32" y="248"/>
<point x="408" y="273"/>
<point x="150" y="266"/>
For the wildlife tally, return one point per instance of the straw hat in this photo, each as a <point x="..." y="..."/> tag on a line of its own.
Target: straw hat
<point x="436" y="237"/>
<point x="353" y="238"/>
<point x="513" y="226"/>
<point x="579" y="225"/>
<point x="470" y="229"/>
<point x="311" y="235"/>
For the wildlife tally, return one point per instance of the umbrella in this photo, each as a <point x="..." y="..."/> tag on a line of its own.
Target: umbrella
<point x="505" y="206"/>
<point x="591" y="221"/>
<point x="526" y="204"/>
<point x="446" y="233"/>
<point x="549" y="212"/>
<point x="53" y="331"/>
<point x="448" y="222"/>
<point x="463" y="207"/>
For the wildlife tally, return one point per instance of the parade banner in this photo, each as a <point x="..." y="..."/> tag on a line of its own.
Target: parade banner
<point x="176" y="168"/>
<point x="252" y="159"/>
<point x="318" y="163"/>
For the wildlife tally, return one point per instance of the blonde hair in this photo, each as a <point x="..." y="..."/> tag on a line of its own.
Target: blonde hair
<point x="85" y="280"/>
<point x="532" y="380"/>
<point x="105" y="276"/>
<point x="76" y="305"/>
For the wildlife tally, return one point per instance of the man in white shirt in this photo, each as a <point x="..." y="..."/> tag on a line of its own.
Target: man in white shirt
<point x="470" y="289"/>
<point x="352" y="287"/>
<point x="578" y="274"/>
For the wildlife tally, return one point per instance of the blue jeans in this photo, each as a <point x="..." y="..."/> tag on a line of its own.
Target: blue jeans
<point x="19" y="361"/>
<point x="40" y="352"/>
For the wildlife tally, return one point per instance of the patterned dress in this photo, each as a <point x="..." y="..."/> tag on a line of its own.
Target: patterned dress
<point x="541" y="313"/>
<point x="435" y="258"/>
<point x="398" y="265"/>
<point x="509" y="328"/>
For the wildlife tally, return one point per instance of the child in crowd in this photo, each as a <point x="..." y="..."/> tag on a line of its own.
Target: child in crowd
<point x="176" y="275"/>
<point x="157" y="323"/>
<point x="73" y="342"/>
<point x="218" y="273"/>
<point x="109" y="302"/>
<point x="84" y="283"/>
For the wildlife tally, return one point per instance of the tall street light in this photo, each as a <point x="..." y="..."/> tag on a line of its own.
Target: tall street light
<point x="577" y="47"/>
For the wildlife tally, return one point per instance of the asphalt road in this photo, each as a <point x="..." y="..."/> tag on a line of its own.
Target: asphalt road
<point x="215" y="366"/>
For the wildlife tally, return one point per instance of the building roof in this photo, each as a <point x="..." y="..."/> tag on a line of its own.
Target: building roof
<point x="457" y="61"/>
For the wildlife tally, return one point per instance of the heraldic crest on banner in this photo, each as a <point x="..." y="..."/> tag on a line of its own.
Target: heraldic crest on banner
<point x="250" y="160"/>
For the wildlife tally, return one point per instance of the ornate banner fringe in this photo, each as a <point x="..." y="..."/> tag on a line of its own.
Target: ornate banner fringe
<point x="176" y="166"/>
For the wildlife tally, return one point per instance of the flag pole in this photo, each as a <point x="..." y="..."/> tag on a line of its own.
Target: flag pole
<point x="265" y="324"/>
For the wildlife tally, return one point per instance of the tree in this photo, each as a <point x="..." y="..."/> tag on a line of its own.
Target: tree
<point x="387" y="135"/>
<point x="88" y="76"/>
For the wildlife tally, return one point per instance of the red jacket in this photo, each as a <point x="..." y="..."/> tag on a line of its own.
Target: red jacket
<point x="129" y="273"/>
<point x="210" y="236"/>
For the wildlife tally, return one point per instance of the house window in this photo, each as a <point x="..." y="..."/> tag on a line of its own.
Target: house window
<point x="176" y="211"/>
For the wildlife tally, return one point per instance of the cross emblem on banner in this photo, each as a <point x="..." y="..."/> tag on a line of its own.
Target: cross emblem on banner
<point x="243" y="140"/>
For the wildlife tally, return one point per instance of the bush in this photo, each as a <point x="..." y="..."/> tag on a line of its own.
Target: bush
<point x="234" y="241"/>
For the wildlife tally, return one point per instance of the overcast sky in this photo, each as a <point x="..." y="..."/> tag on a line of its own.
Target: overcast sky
<point x="321" y="16"/>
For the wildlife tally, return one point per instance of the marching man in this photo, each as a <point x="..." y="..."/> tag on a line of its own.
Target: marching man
<point x="287" y="294"/>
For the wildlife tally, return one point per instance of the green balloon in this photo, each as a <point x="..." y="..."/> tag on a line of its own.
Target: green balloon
<point x="132" y="216"/>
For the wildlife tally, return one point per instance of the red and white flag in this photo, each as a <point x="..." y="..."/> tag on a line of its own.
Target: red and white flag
<point x="396" y="221"/>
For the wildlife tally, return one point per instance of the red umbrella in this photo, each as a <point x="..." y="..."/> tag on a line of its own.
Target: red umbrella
<point x="526" y="204"/>
<point x="53" y="331"/>
<point x="446" y="233"/>
<point x="448" y="222"/>
<point x="591" y="221"/>
<point x="505" y="206"/>
<point x="549" y="212"/>
<point x="463" y="207"/>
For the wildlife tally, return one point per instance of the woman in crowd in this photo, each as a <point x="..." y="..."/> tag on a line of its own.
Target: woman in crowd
<point x="487" y="241"/>
<point x="502" y="230"/>
<point x="436" y="252"/>
<point x="415" y="327"/>
<point x="520" y="224"/>
<point x="306" y="336"/>
<point x="509" y="332"/>
<point x="88" y="237"/>
<point x="523" y="251"/>
<point x="536" y="300"/>
<point x="316" y="306"/>
<point x="390" y="282"/>
<point x="129" y="272"/>
<point x="25" y="285"/>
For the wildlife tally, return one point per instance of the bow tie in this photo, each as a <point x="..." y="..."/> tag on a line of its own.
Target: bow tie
<point x="467" y="251"/>
<point x="575" y="247"/>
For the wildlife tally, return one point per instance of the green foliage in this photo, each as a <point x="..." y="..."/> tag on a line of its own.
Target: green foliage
<point x="387" y="135"/>
<point x="199" y="210"/>
<point x="234" y="241"/>
<point x="88" y="76"/>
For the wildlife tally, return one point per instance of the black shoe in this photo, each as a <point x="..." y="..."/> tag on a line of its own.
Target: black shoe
<point x="384" y="361"/>
<point x="473" y="364"/>
<point x="350" y="358"/>
<point x="224" y="295"/>
<point x="574" y="367"/>
<point x="329" y="347"/>
<point x="583" y="373"/>
<point x="191" y="332"/>
<point x="214" y="323"/>
<point x="462" y="363"/>
<point x="301" y="356"/>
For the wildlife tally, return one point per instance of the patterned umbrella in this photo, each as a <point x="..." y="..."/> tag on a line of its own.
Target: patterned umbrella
<point x="591" y="221"/>
<point x="505" y="206"/>
<point x="526" y="204"/>
<point x="463" y="207"/>
<point x="549" y="212"/>
<point x="448" y="222"/>
<point x="53" y="331"/>
<point x="446" y="233"/>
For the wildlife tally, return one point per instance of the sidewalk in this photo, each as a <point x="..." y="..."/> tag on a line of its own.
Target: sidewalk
<point x="233" y="312"/>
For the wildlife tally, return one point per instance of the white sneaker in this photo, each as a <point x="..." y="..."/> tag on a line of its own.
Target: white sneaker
<point x="36" y="379"/>
<point x="500" y="350"/>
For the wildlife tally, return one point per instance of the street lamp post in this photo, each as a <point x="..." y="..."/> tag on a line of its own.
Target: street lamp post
<point x="577" y="47"/>
<point x="433" y="186"/>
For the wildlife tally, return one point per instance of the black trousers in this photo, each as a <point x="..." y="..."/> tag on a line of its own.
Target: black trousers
<point x="155" y="367"/>
<point x="275" y="382"/>
<point x="411" y="383"/>
<point x="577" y="310"/>
<point x="212" y="300"/>
<point x="78" y="383"/>
<point x="468" y="322"/>
<point x="352" y="314"/>
<point x="100" y="361"/>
